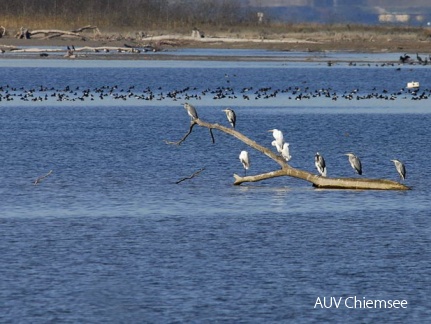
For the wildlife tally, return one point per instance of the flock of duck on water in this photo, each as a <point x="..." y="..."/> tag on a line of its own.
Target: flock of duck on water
<point x="298" y="93"/>
<point x="283" y="148"/>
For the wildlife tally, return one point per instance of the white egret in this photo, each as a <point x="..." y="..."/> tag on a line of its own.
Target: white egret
<point x="355" y="162"/>
<point x="279" y="139"/>
<point x="285" y="152"/>
<point x="279" y="149"/>
<point x="191" y="111"/>
<point x="231" y="116"/>
<point x="243" y="157"/>
<point x="401" y="169"/>
<point x="320" y="164"/>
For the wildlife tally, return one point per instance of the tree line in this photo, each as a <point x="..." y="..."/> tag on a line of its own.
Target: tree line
<point x="141" y="14"/>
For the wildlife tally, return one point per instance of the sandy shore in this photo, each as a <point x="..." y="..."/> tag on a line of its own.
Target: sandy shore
<point x="177" y="41"/>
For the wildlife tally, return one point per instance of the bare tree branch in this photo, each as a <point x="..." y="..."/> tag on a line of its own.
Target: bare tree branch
<point x="212" y="135"/>
<point x="192" y="124"/>
<point x="286" y="170"/>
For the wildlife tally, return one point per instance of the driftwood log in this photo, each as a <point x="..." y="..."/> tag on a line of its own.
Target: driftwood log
<point x="89" y="27"/>
<point x="25" y="33"/>
<point x="287" y="170"/>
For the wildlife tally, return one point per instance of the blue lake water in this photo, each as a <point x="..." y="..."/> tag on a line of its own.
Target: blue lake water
<point x="110" y="237"/>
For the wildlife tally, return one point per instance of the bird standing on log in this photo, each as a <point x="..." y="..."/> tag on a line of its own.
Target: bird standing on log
<point x="243" y="157"/>
<point x="401" y="169"/>
<point x="355" y="162"/>
<point x="320" y="164"/>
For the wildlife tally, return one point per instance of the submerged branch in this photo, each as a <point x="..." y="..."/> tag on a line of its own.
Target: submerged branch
<point x="41" y="178"/>
<point x="190" y="177"/>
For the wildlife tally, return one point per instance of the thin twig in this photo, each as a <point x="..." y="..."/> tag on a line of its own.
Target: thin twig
<point x="39" y="180"/>
<point x="190" y="177"/>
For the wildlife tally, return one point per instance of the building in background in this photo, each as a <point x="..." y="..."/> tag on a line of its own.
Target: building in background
<point x="404" y="12"/>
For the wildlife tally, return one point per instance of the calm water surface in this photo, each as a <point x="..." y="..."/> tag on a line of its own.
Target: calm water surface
<point x="110" y="237"/>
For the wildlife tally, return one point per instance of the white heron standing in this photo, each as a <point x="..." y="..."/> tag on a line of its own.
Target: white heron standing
<point x="320" y="164"/>
<point x="231" y="116"/>
<point x="191" y="111"/>
<point x="285" y="152"/>
<point x="401" y="169"/>
<point x="243" y="157"/>
<point x="279" y="139"/>
<point x="355" y="162"/>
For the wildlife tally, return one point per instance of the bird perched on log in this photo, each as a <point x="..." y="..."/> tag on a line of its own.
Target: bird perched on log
<point x="231" y="116"/>
<point x="320" y="164"/>
<point x="355" y="163"/>
<point x="191" y="111"/>
<point x="401" y="169"/>
<point x="243" y="157"/>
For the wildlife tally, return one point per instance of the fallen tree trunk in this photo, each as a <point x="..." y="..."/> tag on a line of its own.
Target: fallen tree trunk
<point x="80" y="30"/>
<point x="35" y="50"/>
<point x="25" y="33"/>
<point x="287" y="170"/>
<point x="56" y="32"/>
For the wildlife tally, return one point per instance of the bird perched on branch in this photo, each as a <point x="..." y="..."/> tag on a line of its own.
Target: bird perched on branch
<point x="285" y="153"/>
<point x="243" y="157"/>
<point x="320" y="164"/>
<point x="401" y="169"/>
<point x="355" y="162"/>
<point x="231" y="116"/>
<point x="191" y="111"/>
<point x="279" y="139"/>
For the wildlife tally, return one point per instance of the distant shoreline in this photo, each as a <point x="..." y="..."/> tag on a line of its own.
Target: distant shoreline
<point x="171" y="42"/>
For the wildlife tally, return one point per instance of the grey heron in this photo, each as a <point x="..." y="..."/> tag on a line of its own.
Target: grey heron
<point x="243" y="157"/>
<point x="355" y="162"/>
<point x="285" y="152"/>
<point x="231" y="116"/>
<point x="401" y="169"/>
<point x="279" y="139"/>
<point x="191" y="111"/>
<point x="320" y="164"/>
